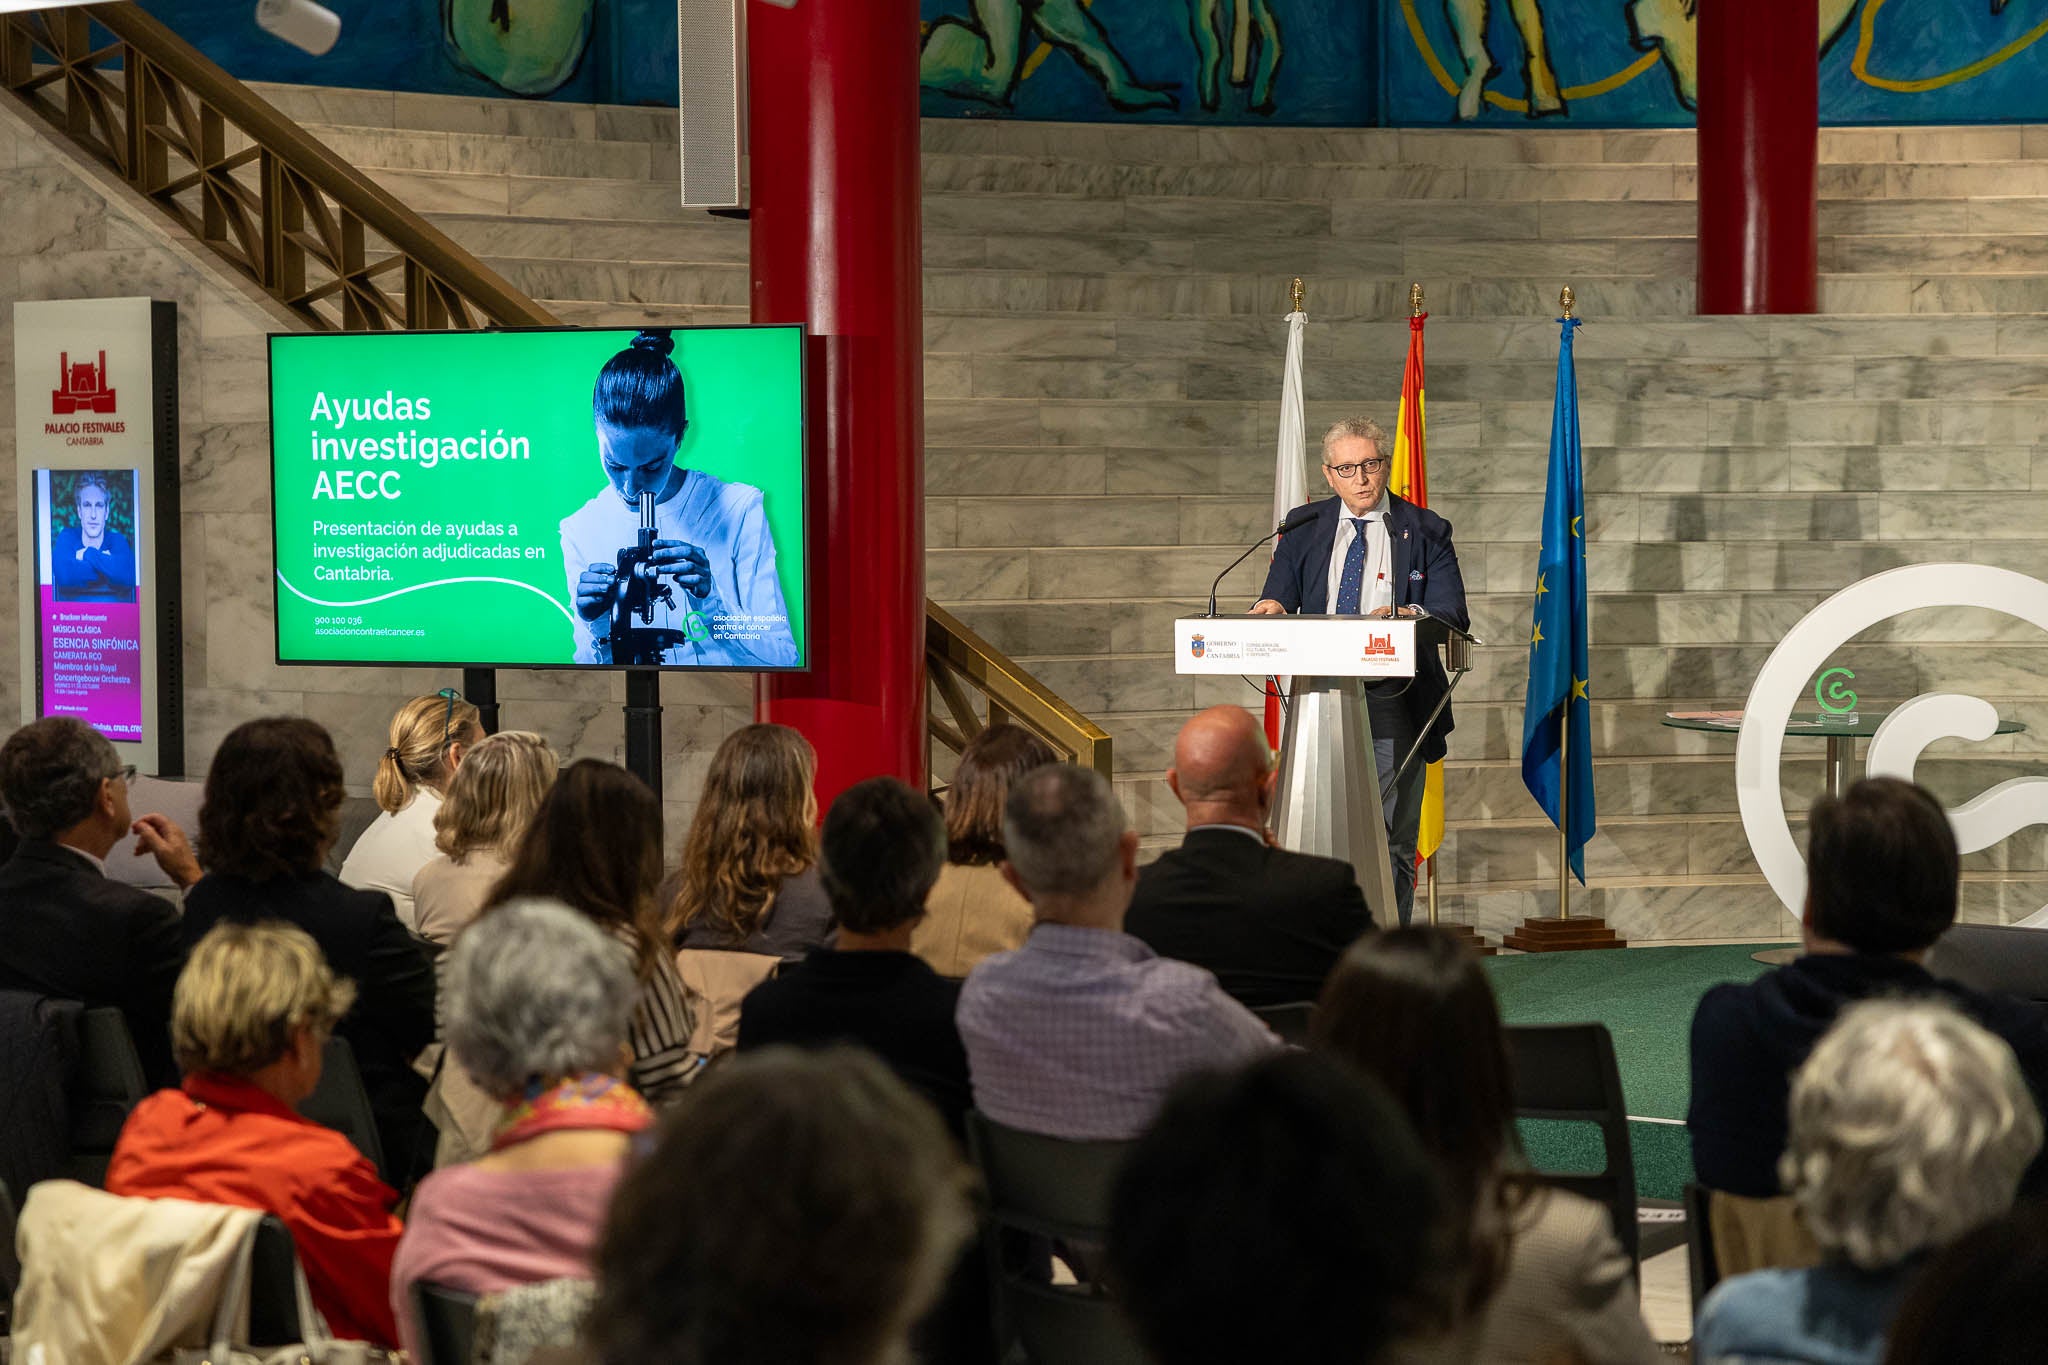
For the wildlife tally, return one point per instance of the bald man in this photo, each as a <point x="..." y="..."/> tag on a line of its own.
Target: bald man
<point x="1269" y="923"/>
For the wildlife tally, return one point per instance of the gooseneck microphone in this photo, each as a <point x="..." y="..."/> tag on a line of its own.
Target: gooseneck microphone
<point x="1295" y="520"/>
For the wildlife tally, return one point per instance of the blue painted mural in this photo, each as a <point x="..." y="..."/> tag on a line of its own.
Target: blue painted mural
<point x="1343" y="63"/>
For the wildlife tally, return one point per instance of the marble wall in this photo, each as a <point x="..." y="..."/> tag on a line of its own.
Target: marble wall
<point x="73" y="232"/>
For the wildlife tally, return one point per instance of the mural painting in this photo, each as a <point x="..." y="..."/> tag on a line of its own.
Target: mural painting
<point x="1331" y="63"/>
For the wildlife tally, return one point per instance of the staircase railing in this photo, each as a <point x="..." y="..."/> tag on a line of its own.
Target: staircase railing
<point x="272" y="200"/>
<point x="961" y="666"/>
<point x="344" y="255"/>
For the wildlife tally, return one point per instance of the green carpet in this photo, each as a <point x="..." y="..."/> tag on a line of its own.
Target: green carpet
<point x="1646" y="997"/>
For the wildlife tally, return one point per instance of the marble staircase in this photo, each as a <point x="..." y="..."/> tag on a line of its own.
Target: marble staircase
<point x="1102" y="365"/>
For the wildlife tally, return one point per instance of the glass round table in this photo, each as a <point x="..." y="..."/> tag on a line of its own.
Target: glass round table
<point x="1841" y="729"/>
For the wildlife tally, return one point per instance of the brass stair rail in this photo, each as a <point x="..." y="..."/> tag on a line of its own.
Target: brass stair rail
<point x="272" y="200"/>
<point x="959" y="663"/>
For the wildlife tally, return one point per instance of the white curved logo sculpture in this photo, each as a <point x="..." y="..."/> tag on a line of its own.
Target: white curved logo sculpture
<point x="1980" y="822"/>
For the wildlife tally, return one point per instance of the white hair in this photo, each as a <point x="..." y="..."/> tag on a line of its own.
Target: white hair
<point x="1364" y="428"/>
<point x="537" y="992"/>
<point x="1910" y="1126"/>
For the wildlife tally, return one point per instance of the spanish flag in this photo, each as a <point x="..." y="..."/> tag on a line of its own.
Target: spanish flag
<point x="1410" y="480"/>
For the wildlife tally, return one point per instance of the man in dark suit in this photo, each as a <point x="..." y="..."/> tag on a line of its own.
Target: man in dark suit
<point x="1370" y="553"/>
<point x="1269" y="923"/>
<point x="66" y="929"/>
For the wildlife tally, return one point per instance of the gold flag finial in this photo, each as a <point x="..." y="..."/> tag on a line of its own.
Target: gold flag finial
<point x="1565" y="298"/>
<point x="1415" y="299"/>
<point x="1297" y="292"/>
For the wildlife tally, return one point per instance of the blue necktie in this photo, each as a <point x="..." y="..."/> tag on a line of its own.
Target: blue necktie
<point x="1352" y="583"/>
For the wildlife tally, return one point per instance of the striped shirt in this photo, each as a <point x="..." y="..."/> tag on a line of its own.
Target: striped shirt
<point x="660" y="1034"/>
<point x="1081" y="1032"/>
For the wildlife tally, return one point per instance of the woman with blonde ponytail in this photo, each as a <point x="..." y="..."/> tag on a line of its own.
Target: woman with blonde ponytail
<point x="429" y="735"/>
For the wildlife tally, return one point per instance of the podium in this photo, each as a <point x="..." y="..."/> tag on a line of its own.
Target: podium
<point x="1328" y="797"/>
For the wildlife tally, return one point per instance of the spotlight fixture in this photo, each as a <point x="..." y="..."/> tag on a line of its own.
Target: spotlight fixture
<point x="302" y="23"/>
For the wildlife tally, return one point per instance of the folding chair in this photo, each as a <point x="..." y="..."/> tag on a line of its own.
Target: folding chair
<point x="1567" y="1072"/>
<point x="447" y="1319"/>
<point x="340" y="1102"/>
<point x="1290" y="1020"/>
<point x="106" y="1087"/>
<point x="1045" y="1191"/>
<point x="1699" y="1243"/>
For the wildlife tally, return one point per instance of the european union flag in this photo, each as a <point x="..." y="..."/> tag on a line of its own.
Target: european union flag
<point x="1556" y="711"/>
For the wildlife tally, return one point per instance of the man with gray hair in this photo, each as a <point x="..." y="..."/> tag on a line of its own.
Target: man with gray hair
<point x="1081" y="1032"/>
<point x="66" y="930"/>
<point x="1370" y="553"/>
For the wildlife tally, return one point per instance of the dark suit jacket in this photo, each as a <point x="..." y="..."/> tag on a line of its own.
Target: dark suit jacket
<point x="1425" y="570"/>
<point x="1269" y="923"/>
<point x="69" y="932"/>
<point x="362" y="938"/>
<point x="890" y="1003"/>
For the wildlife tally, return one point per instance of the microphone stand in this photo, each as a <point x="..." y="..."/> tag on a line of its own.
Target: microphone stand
<point x="1458" y="651"/>
<point x="1301" y="518"/>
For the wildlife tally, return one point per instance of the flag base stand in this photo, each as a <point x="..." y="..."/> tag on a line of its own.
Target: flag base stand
<point x="1539" y="934"/>
<point x="1470" y="937"/>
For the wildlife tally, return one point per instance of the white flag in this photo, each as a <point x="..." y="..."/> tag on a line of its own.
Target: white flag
<point x="1290" y="481"/>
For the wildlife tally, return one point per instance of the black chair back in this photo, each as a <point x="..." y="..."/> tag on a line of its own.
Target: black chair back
<point x="1699" y="1243"/>
<point x="2000" y="959"/>
<point x="447" y="1319"/>
<point x="1045" y="1194"/>
<point x="10" y="1265"/>
<point x="1568" y="1072"/>
<point x="107" y="1086"/>
<point x="273" y="1287"/>
<point x="341" y="1103"/>
<point x="1289" y="1021"/>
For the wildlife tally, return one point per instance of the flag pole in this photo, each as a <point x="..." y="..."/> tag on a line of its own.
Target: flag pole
<point x="1564" y="766"/>
<point x="1297" y="293"/>
<point x="1415" y="310"/>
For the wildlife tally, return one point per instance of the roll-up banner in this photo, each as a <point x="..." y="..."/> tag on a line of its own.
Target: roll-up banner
<point x="96" y="472"/>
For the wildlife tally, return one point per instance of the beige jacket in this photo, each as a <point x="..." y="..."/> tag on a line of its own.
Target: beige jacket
<point x="108" y="1280"/>
<point x="970" y="913"/>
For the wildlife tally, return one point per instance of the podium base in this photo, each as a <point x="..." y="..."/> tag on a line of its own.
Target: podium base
<point x="1539" y="934"/>
<point x="1470" y="937"/>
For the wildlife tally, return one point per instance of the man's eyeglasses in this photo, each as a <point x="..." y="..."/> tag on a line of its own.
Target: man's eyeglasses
<point x="1351" y="471"/>
<point x="448" y="717"/>
<point x="126" y="772"/>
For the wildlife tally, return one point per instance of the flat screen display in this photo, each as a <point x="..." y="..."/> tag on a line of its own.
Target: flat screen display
<point x="89" y="558"/>
<point x="533" y="499"/>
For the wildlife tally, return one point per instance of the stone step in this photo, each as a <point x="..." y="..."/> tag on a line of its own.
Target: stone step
<point x="694" y="237"/>
<point x="598" y="313"/>
<point x="413" y="149"/>
<point x="720" y="284"/>
<point x="329" y="106"/>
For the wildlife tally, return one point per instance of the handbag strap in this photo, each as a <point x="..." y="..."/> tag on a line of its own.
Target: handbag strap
<point x="231" y="1312"/>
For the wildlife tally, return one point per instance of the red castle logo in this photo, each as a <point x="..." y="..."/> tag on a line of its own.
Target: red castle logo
<point x="84" y="387"/>
<point x="1380" y="647"/>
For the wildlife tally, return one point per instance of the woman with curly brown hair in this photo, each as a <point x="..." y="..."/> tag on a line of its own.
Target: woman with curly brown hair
<point x="749" y="879"/>
<point x="266" y="821"/>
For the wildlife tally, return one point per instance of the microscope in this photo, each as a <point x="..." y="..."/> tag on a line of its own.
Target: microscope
<point x="635" y="639"/>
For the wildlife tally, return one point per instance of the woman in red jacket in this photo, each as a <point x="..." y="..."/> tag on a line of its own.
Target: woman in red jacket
<point x="249" y="1018"/>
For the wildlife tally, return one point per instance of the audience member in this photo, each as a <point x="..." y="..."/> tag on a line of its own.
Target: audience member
<point x="1268" y="922"/>
<point x="273" y="796"/>
<point x="250" y="1019"/>
<point x="1979" y="1301"/>
<point x="429" y="737"/>
<point x="1544" y="1278"/>
<point x="1910" y="1125"/>
<point x="1881" y="872"/>
<point x="67" y="930"/>
<point x="1281" y="1213"/>
<point x="1082" y="1031"/>
<point x="595" y="845"/>
<point x="749" y="876"/>
<point x="489" y="802"/>
<point x="539" y="1002"/>
<point x="800" y="1208"/>
<point x="972" y="911"/>
<point x="883" y="846"/>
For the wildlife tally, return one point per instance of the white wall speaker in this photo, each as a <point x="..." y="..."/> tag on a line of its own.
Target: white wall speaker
<point x="711" y="100"/>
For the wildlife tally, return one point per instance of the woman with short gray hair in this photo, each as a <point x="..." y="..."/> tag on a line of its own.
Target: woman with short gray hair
<point x="1910" y="1126"/>
<point x="539" y="1002"/>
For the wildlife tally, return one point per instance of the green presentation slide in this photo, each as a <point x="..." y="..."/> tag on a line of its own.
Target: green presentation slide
<point x="540" y="498"/>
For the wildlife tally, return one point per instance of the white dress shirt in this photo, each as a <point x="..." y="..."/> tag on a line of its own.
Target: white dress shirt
<point x="1378" y="588"/>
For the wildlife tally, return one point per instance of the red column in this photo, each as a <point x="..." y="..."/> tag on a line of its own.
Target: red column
<point x="833" y="142"/>
<point x="1758" y="145"/>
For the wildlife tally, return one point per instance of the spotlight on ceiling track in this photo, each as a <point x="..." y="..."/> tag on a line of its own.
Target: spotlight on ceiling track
<point x="305" y="25"/>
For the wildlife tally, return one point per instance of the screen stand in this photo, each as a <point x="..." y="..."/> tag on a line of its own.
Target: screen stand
<point x="643" y="726"/>
<point x="480" y="689"/>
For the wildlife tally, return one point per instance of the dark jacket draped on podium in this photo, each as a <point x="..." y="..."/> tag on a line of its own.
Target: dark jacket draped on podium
<point x="1425" y="574"/>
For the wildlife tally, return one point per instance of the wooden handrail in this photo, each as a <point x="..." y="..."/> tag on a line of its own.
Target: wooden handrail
<point x="282" y="207"/>
<point x="958" y="661"/>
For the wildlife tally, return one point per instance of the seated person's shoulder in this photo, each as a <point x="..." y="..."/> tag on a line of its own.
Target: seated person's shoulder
<point x="1752" y="1314"/>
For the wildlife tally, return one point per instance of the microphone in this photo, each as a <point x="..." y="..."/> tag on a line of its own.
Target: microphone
<point x="1294" y="521"/>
